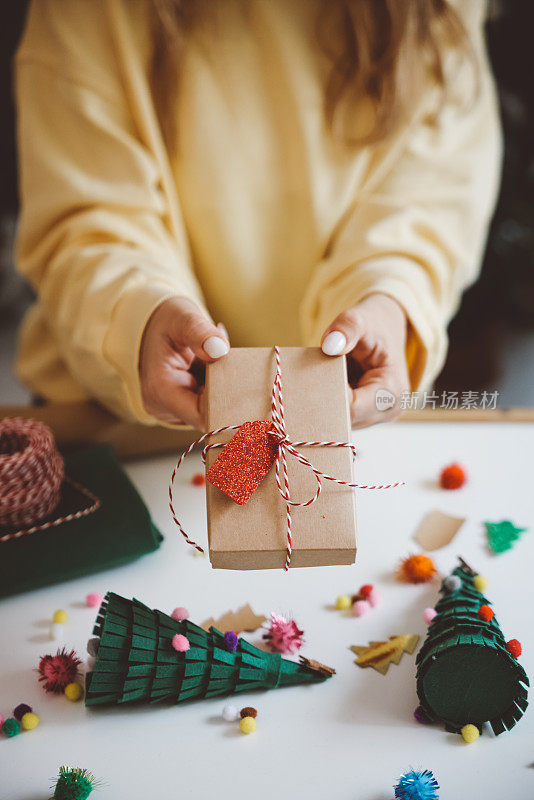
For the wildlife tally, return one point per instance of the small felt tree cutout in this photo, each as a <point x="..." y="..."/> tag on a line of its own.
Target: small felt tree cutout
<point x="136" y="660"/>
<point x="502" y="535"/>
<point x="466" y="672"/>
<point x="380" y="655"/>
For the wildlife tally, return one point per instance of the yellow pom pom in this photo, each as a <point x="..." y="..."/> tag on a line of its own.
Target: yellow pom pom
<point x="60" y="616"/>
<point x="29" y="721"/>
<point x="343" y="602"/>
<point x="73" y="691"/>
<point x="248" y="725"/>
<point x="480" y="583"/>
<point x="470" y="733"/>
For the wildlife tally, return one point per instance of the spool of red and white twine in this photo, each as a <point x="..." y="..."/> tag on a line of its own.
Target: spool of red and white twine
<point x="31" y="472"/>
<point x="285" y="447"/>
<point x="31" y="478"/>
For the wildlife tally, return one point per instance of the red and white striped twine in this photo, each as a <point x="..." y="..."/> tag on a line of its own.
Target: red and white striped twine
<point x="278" y="431"/>
<point x="31" y="474"/>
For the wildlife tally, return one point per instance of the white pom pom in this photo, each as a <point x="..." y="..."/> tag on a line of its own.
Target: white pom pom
<point x="230" y="713"/>
<point x="57" y="631"/>
<point x="452" y="583"/>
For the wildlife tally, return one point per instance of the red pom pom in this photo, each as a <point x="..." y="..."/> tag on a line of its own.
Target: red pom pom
<point x="486" y="613"/>
<point x="365" y="590"/>
<point x="198" y="479"/>
<point x="58" y="671"/>
<point x="452" y="477"/>
<point x="514" y="648"/>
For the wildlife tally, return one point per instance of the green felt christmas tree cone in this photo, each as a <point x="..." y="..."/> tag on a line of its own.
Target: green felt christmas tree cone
<point x="136" y="660"/>
<point x="466" y="673"/>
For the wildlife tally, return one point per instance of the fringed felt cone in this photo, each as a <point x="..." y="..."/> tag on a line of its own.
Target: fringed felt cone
<point x="466" y="672"/>
<point x="145" y="655"/>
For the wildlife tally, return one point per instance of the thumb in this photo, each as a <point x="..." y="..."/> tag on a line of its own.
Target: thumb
<point x="194" y="330"/>
<point x="343" y="334"/>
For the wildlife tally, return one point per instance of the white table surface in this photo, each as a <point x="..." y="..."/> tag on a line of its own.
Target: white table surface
<point x="346" y="739"/>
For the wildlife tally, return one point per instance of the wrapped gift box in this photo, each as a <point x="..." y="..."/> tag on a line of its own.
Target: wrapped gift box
<point x="253" y="535"/>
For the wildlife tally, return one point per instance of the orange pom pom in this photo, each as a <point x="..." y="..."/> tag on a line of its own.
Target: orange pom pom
<point x="417" y="569"/>
<point x="486" y="613"/>
<point x="452" y="477"/>
<point x="198" y="479"/>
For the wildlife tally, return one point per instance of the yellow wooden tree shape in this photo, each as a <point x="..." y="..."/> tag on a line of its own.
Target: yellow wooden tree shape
<point x="380" y="655"/>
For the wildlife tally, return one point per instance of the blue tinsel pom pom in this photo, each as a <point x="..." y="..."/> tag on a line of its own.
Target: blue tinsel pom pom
<point x="417" y="786"/>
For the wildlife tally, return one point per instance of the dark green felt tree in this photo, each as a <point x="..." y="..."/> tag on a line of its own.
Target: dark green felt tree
<point x="136" y="661"/>
<point x="465" y="672"/>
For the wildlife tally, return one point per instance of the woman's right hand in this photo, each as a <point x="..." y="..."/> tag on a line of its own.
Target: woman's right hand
<point x="177" y="333"/>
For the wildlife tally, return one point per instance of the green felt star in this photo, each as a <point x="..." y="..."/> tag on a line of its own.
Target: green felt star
<point x="502" y="535"/>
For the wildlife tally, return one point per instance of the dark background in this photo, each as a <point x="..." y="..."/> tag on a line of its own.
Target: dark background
<point x="495" y="326"/>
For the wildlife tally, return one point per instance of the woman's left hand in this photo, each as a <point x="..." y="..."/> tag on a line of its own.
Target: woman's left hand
<point x="372" y="334"/>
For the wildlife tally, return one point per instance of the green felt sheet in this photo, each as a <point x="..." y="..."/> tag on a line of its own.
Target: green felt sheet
<point x="465" y="674"/>
<point x="140" y="664"/>
<point x="118" y="532"/>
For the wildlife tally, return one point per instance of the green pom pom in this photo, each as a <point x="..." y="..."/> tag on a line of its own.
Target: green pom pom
<point x="10" y="727"/>
<point x="74" y="784"/>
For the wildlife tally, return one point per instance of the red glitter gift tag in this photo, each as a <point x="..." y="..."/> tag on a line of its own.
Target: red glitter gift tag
<point x="244" y="462"/>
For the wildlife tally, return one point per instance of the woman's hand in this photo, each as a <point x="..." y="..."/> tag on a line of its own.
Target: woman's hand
<point x="175" y="336"/>
<point x="373" y="335"/>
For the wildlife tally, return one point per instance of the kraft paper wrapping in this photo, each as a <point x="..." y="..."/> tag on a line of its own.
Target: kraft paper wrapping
<point x="253" y="536"/>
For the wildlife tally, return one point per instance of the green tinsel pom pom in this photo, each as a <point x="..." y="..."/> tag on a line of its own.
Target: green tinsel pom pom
<point x="74" y="784"/>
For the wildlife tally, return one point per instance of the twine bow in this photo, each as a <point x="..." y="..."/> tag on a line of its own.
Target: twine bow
<point x="285" y="447"/>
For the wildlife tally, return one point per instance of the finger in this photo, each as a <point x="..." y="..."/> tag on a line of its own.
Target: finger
<point x="182" y="406"/>
<point x="342" y="336"/>
<point x="376" y="399"/>
<point x="192" y="329"/>
<point x="185" y="408"/>
<point x="175" y="399"/>
<point x="223" y="330"/>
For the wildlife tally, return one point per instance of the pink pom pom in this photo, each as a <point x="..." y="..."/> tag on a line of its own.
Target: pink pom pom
<point x="284" y="636"/>
<point x="1" y="720"/>
<point x="374" y="598"/>
<point x="180" y="613"/>
<point x="429" y="614"/>
<point x="180" y="643"/>
<point x="360" y="607"/>
<point x="94" y="600"/>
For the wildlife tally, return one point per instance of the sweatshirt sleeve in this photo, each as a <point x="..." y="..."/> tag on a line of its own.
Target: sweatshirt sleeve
<point x="418" y="233"/>
<point x="95" y="235"/>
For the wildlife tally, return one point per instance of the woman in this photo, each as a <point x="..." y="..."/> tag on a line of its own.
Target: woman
<point x="302" y="171"/>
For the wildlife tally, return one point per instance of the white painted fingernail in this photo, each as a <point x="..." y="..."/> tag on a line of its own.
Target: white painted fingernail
<point x="215" y="347"/>
<point x="221" y="327"/>
<point x="334" y="343"/>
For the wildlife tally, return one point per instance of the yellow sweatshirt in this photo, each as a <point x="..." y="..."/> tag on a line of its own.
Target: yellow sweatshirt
<point x="261" y="217"/>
